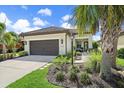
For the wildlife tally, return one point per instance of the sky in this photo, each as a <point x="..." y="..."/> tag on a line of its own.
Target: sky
<point x="23" y="18"/>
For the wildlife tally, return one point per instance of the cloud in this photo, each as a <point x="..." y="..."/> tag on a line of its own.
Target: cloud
<point x="4" y="18"/>
<point x="66" y="17"/>
<point x="45" y="11"/>
<point x="24" y="7"/>
<point x="21" y="25"/>
<point x="39" y="22"/>
<point x="96" y="37"/>
<point x="66" y="25"/>
<point x="64" y="20"/>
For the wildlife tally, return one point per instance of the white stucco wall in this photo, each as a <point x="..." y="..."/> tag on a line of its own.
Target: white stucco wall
<point x="68" y="43"/>
<point x="59" y="36"/>
<point x="46" y="37"/>
<point x="121" y="42"/>
<point x="90" y="41"/>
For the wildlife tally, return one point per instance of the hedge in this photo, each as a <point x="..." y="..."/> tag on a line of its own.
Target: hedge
<point x="121" y="53"/>
<point x="12" y="55"/>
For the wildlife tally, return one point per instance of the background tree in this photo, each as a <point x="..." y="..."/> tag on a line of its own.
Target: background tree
<point x="14" y="41"/>
<point x="2" y="32"/>
<point x="109" y="18"/>
<point x="9" y="40"/>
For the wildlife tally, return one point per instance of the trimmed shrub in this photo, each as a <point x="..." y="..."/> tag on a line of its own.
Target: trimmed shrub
<point x="22" y="53"/>
<point x="60" y="60"/>
<point x="72" y="75"/>
<point x="11" y="55"/>
<point x="60" y="76"/>
<point x="74" y="69"/>
<point x="84" y="77"/>
<point x="5" y="56"/>
<point x="8" y="55"/>
<point x="88" y="69"/>
<point x="1" y="57"/>
<point x="93" y="64"/>
<point x="121" y="53"/>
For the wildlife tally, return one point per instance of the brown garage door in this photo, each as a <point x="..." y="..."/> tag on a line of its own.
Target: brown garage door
<point x="44" y="47"/>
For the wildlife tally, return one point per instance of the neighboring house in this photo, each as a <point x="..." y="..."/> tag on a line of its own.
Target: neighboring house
<point x="121" y="40"/>
<point x="53" y="41"/>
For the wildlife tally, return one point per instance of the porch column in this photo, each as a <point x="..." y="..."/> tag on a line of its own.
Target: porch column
<point x="90" y="42"/>
<point x="82" y="44"/>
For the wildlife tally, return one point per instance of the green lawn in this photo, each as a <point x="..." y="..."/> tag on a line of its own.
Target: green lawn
<point x="35" y="79"/>
<point x="120" y="62"/>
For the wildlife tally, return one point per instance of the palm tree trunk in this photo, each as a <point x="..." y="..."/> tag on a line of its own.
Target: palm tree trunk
<point x="109" y="47"/>
<point x="113" y="61"/>
<point x="115" y="34"/>
<point x="105" y="70"/>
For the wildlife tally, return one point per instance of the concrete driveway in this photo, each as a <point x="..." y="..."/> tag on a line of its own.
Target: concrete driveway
<point x="14" y="69"/>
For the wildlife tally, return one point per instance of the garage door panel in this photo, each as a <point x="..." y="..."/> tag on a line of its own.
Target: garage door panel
<point x="44" y="47"/>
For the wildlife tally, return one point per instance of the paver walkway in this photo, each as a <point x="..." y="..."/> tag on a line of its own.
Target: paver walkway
<point x="84" y="58"/>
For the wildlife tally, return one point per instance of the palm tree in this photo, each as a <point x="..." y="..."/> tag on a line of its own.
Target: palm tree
<point x="8" y="39"/>
<point x="109" y="18"/>
<point x="14" y="41"/>
<point x="2" y="32"/>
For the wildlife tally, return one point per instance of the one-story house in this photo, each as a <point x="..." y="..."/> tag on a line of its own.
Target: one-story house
<point x="54" y="41"/>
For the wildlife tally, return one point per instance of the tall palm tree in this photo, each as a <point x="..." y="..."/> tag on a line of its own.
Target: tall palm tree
<point x="109" y="18"/>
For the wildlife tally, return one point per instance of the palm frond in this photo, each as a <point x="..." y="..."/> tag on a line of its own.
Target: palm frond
<point x="86" y="17"/>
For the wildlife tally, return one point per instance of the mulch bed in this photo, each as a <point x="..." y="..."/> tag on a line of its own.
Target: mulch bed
<point x="96" y="81"/>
